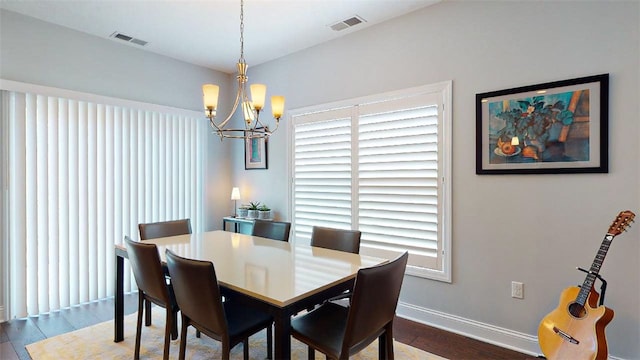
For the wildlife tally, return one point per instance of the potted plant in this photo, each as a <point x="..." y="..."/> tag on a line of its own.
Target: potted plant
<point x="264" y="212"/>
<point x="252" y="212"/>
<point x="243" y="211"/>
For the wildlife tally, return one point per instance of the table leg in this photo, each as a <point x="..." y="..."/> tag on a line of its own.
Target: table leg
<point x="119" y="300"/>
<point x="282" y="336"/>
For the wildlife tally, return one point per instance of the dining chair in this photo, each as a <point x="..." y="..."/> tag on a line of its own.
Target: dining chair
<point x="162" y="229"/>
<point x="198" y="295"/>
<point x="277" y="230"/>
<point x="339" y="332"/>
<point x="152" y="286"/>
<point x="336" y="239"/>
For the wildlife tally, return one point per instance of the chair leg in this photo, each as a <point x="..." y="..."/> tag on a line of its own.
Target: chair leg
<point x="311" y="353"/>
<point x="245" y="348"/>
<point x="147" y="312"/>
<point x="385" y="343"/>
<point x="136" y="352"/>
<point x="174" y="325"/>
<point x="269" y="342"/>
<point x="389" y="341"/>
<point x="167" y="334"/>
<point x="226" y="350"/>
<point x="198" y="333"/>
<point x="183" y="338"/>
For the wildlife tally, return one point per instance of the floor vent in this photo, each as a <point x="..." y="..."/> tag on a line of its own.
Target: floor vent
<point x="127" y="38"/>
<point x="345" y="24"/>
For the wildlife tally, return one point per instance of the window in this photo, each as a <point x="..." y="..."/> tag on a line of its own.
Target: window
<point x="380" y="164"/>
<point x="83" y="171"/>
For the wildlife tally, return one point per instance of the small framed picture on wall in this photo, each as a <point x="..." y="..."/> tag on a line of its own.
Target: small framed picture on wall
<point x="255" y="152"/>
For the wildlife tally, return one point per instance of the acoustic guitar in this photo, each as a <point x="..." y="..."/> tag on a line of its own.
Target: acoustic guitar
<point x="575" y="329"/>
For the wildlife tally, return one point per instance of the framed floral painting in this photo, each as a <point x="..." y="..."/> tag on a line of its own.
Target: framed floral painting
<point x="550" y="128"/>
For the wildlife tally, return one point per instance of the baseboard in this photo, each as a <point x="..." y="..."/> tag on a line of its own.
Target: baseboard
<point x="491" y="334"/>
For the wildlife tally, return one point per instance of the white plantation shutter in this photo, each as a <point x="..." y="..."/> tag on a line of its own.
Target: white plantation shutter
<point x="322" y="169"/>
<point x="380" y="165"/>
<point x="82" y="174"/>
<point x="398" y="179"/>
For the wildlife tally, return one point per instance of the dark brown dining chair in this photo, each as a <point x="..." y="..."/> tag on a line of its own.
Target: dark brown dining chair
<point x="339" y="332"/>
<point x="152" y="286"/>
<point x="157" y="230"/>
<point x="198" y="295"/>
<point x="336" y="239"/>
<point x="276" y="230"/>
<point x="164" y="229"/>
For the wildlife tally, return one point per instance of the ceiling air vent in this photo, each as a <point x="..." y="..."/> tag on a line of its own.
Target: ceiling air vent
<point x="127" y="38"/>
<point x="344" y="24"/>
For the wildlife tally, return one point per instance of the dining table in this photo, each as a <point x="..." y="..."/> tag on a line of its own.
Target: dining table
<point x="280" y="277"/>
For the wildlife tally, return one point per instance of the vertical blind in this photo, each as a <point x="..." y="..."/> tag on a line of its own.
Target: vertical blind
<point x="81" y="176"/>
<point x="376" y="166"/>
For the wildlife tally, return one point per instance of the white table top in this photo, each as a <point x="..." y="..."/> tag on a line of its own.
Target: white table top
<point x="274" y="271"/>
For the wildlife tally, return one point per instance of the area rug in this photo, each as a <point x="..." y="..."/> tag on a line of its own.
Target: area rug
<point x="96" y="342"/>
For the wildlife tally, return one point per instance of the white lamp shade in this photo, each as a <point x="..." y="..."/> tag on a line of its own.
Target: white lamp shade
<point x="247" y="111"/>
<point x="235" y="193"/>
<point x="210" y="96"/>
<point x="258" y="94"/>
<point x="277" y="106"/>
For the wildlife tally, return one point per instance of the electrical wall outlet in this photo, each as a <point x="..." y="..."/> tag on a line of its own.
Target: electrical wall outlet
<point x="517" y="290"/>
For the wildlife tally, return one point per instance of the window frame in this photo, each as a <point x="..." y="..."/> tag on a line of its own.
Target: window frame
<point x="444" y="92"/>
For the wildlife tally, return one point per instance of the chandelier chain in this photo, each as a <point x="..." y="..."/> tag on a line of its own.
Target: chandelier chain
<point x="254" y="127"/>
<point x="242" y="31"/>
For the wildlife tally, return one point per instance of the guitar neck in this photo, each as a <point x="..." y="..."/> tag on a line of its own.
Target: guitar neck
<point x="587" y="285"/>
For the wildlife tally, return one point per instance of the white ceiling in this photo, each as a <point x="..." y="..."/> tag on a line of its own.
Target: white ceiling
<point x="207" y="33"/>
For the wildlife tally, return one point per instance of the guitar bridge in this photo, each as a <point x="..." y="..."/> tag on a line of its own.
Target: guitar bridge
<point x="566" y="336"/>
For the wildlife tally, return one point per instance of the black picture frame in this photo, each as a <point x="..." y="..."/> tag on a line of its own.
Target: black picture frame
<point x="256" y="151"/>
<point x="557" y="127"/>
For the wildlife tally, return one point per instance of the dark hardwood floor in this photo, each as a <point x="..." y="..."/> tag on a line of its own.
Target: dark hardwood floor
<point x="14" y="335"/>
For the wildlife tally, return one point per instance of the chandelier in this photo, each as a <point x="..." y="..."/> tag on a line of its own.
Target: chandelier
<point x="254" y="127"/>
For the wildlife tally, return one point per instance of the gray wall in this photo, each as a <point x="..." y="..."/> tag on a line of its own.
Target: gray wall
<point x="533" y="229"/>
<point x="530" y="228"/>
<point x="33" y="51"/>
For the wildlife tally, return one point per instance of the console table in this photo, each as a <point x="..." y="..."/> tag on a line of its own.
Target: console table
<point x="236" y="222"/>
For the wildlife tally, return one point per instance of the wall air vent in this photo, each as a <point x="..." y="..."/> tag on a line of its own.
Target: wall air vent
<point x="345" y="24"/>
<point x="127" y="38"/>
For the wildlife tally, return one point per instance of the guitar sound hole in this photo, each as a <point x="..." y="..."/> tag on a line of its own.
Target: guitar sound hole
<point x="576" y="310"/>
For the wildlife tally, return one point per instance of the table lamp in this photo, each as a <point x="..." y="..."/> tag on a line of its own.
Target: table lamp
<point x="235" y="196"/>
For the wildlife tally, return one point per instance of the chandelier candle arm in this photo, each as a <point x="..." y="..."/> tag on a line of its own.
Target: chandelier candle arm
<point x="251" y="108"/>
